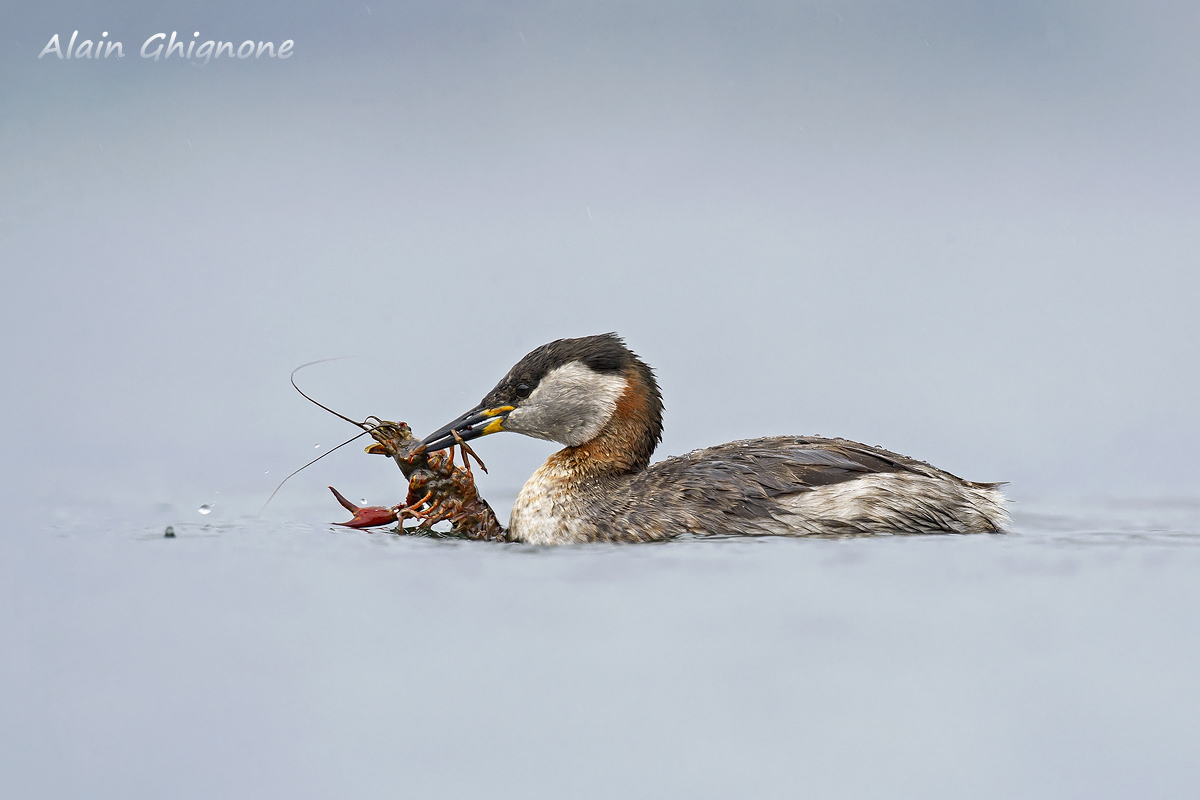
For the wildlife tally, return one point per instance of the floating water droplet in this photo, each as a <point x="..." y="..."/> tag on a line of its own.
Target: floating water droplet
<point x="362" y="501"/>
<point x="205" y="509"/>
<point x="268" y="472"/>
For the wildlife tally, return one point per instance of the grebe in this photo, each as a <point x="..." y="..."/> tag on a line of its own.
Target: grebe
<point x="595" y="396"/>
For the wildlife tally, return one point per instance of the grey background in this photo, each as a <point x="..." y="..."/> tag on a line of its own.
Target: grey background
<point x="964" y="231"/>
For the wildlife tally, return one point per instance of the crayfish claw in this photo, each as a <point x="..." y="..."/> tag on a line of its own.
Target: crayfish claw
<point x="346" y="504"/>
<point x="364" y="516"/>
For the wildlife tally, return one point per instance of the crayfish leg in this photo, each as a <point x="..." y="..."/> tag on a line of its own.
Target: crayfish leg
<point x="411" y="506"/>
<point x="467" y="451"/>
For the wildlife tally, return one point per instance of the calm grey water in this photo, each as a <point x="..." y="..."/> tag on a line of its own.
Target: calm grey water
<point x="248" y="658"/>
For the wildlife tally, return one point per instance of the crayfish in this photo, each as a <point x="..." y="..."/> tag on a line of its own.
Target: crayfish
<point x="438" y="490"/>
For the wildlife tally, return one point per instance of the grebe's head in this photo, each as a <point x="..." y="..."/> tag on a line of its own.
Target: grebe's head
<point x="570" y="391"/>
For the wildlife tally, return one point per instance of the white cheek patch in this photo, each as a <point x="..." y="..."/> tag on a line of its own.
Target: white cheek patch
<point x="571" y="405"/>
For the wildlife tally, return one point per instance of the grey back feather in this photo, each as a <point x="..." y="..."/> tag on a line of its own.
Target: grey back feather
<point x="755" y="487"/>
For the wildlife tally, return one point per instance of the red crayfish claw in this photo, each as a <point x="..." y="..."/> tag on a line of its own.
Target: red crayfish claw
<point x="364" y="516"/>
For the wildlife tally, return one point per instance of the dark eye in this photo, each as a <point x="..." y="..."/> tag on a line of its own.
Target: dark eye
<point x="523" y="390"/>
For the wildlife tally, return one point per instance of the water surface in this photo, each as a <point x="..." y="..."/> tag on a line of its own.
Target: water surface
<point x="248" y="657"/>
